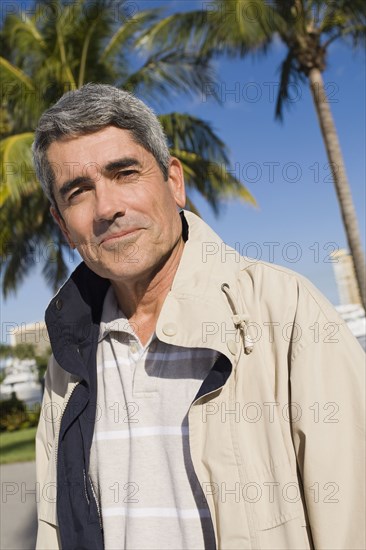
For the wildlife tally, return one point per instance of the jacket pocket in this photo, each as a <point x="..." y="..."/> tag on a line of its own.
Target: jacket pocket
<point x="279" y="513"/>
<point x="276" y="496"/>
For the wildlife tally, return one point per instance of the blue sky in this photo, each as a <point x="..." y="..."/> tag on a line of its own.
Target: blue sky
<point x="297" y="222"/>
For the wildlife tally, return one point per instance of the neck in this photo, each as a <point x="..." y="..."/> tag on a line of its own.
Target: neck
<point x="141" y="299"/>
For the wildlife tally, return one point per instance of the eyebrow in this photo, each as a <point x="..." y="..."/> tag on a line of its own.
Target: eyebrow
<point x="70" y="184"/>
<point x="121" y="163"/>
<point x="110" y="167"/>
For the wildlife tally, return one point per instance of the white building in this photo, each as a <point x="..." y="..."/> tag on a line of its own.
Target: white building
<point x="22" y="379"/>
<point x="31" y="333"/>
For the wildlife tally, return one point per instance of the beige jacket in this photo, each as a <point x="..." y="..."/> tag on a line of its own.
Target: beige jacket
<point x="279" y="448"/>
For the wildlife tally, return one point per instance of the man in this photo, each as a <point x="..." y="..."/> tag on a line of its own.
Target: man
<point x="195" y="398"/>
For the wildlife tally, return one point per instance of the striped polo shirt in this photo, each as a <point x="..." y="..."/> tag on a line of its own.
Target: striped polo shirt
<point x="140" y="464"/>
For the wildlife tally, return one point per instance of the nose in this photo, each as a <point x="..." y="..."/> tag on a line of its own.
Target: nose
<point x="108" y="203"/>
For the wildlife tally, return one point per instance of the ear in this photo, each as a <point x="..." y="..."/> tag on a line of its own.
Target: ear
<point x="176" y="182"/>
<point x="61" y="223"/>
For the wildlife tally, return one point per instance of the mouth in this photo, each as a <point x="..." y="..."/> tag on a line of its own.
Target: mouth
<point x="120" y="235"/>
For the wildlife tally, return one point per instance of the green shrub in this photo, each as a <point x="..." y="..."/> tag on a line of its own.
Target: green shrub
<point x="14" y="415"/>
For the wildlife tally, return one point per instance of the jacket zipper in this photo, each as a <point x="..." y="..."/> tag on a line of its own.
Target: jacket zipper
<point x="96" y="502"/>
<point x="85" y="488"/>
<point x="84" y="473"/>
<point x="59" y="428"/>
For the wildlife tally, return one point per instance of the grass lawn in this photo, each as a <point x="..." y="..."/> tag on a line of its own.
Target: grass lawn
<point x="17" y="446"/>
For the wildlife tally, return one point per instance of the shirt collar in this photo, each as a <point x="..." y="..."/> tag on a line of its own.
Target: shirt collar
<point x="113" y="319"/>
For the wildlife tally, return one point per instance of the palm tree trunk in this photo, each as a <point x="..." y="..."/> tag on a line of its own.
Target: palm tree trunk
<point x="342" y="187"/>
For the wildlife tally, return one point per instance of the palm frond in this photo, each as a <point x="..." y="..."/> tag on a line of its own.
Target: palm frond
<point x="166" y="73"/>
<point x="84" y="53"/>
<point x="344" y="19"/>
<point x="127" y="32"/>
<point x="286" y="73"/>
<point x="179" y="28"/>
<point x="68" y="75"/>
<point x="13" y="76"/>
<point x="224" y="27"/>
<point x="238" y="27"/>
<point x="20" y="261"/>
<point x="193" y="134"/>
<point x="22" y="34"/>
<point x="29" y="240"/>
<point x="289" y="75"/>
<point x="55" y="270"/>
<point x="211" y="179"/>
<point x="27" y="26"/>
<point x="17" y="170"/>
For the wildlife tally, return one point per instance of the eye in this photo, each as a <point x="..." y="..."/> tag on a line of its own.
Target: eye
<point x="126" y="174"/>
<point x="77" y="192"/>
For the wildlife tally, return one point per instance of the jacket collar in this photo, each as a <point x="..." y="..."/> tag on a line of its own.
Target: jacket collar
<point x="72" y="319"/>
<point x="196" y="312"/>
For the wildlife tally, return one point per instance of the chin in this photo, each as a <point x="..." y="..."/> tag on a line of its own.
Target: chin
<point x="123" y="272"/>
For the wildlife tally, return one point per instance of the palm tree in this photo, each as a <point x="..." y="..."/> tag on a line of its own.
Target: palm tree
<point x="307" y="28"/>
<point x="61" y="47"/>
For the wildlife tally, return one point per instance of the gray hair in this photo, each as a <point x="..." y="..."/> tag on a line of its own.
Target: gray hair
<point x="89" y="109"/>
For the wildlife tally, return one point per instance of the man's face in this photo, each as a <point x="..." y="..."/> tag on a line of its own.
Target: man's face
<point x="116" y="208"/>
